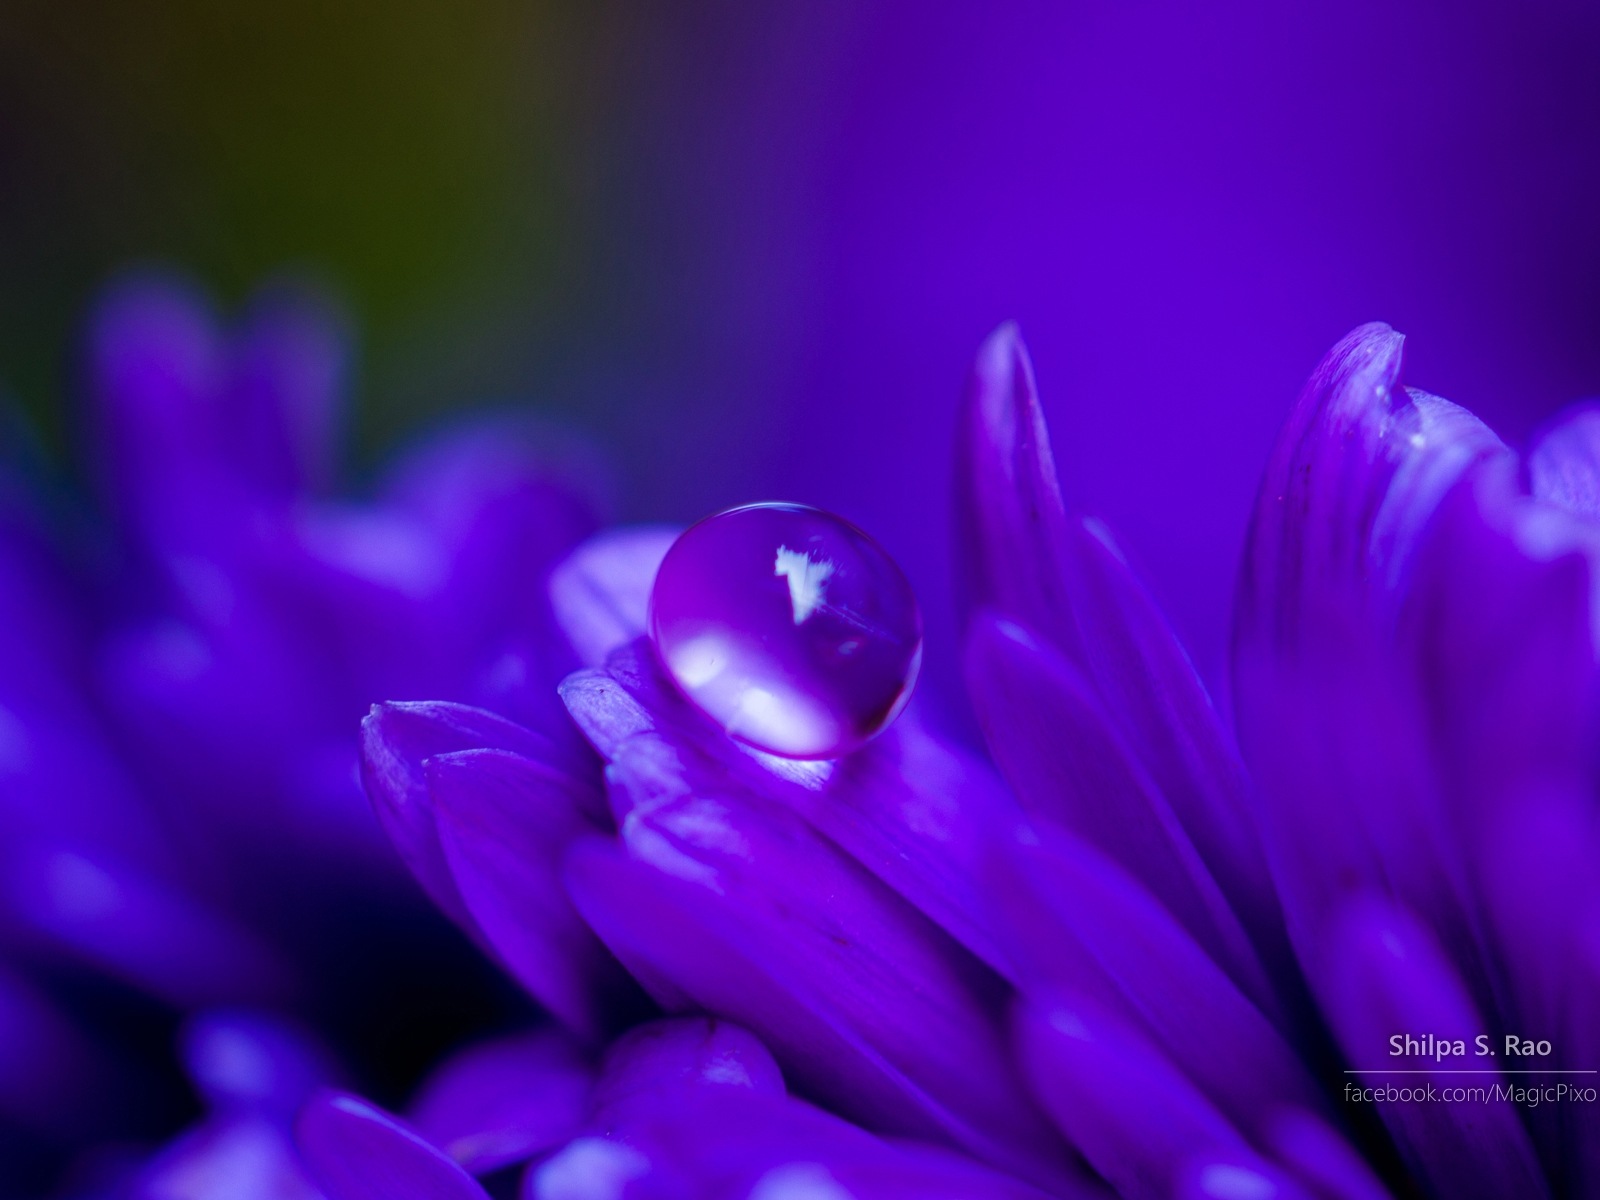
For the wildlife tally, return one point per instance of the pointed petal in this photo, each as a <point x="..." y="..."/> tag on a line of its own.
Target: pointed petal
<point x="503" y="823"/>
<point x="1130" y="1112"/>
<point x="1010" y="518"/>
<point x="1333" y="726"/>
<point x="505" y="1101"/>
<point x="600" y="593"/>
<point x="356" y="1151"/>
<point x="1380" y="974"/>
<point x="1060" y="753"/>
<point x="1080" y="923"/>
<point x="1352" y="482"/>
<point x="1563" y="464"/>
<point x="395" y="740"/>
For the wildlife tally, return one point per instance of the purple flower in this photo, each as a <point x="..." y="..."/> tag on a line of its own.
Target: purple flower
<point x="1152" y="958"/>
<point x="181" y="815"/>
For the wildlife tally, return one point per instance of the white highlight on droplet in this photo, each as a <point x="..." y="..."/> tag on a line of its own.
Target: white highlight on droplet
<point x="807" y="580"/>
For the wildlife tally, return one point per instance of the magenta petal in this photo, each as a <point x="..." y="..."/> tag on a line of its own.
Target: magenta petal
<point x="1131" y="1113"/>
<point x="503" y="823"/>
<point x="1011" y="523"/>
<point x="502" y="1102"/>
<point x="1563" y="464"/>
<point x="600" y="593"/>
<point x="356" y="1151"/>
<point x="747" y="914"/>
<point x="1080" y="923"/>
<point x="395" y="740"/>
<point x="1382" y="974"/>
<point x="1060" y="753"/>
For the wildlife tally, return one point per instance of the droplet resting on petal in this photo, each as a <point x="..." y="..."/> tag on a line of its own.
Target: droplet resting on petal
<point x="788" y="627"/>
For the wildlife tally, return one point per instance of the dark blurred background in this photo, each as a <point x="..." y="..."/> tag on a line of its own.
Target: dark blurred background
<point x="750" y="248"/>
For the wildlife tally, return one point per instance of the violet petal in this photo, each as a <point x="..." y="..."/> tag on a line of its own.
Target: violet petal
<point x="504" y="1101"/>
<point x="247" y="1060"/>
<point x="356" y="1151"/>
<point x="1132" y="1114"/>
<point x="1065" y="761"/>
<point x="1563" y="463"/>
<point x="289" y="374"/>
<point x="503" y="823"/>
<point x="395" y="740"/>
<point x="1382" y="974"/>
<point x="233" y="1157"/>
<point x="665" y="1056"/>
<point x="1080" y="923"/>
<point x="1011" y="522"/>
<point x="864" y="1001"/>
<point x="600" y="593"/>
<point x="1317" y="1154"/>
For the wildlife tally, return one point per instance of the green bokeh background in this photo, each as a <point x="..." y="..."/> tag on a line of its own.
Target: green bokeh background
<point x="460" y="174"/>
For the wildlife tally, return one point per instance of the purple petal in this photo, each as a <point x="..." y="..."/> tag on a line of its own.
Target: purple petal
<point x="600" y="593"/>
<point x="135" y="927"/>
<point x="1060" y="753"/>
<point x="1563" y="464"/>
<point x="1011" y="523"/>
<point x="912" y="810"/>
<point x="506" y="1101"/>
<point x="1501" y="628"/>
<point x="667" y="1056"/>
<point x="155" y="367"/>
<point x="1381" y="974"/>
<point x="1318" y="1155"/>
<point x="1154" y="697"/>
<point x="396" y="738"/>
<point x="503" y="823"/>
<point x="1353" y="480"/>
<point x="1332" y="725"/>
<point x="745" y="913"/>
<point x="236" y="1157"/>
<point x="1080" y="923"/>
<point x="1132" y="1114"/>
<point x="289" y="373"/>
<point x="735" y="1141"/>
<point x="244" y="1060"/>
<point x="356" y="1151"/>
<point x="1230" y="1179"/>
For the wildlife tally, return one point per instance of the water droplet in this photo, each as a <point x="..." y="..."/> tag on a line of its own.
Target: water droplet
<point x="789" y="627"/>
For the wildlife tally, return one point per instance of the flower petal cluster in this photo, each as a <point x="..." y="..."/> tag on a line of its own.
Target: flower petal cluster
<point x="1149" y="955"/>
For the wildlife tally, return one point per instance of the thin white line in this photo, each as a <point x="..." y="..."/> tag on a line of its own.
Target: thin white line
<point x="1387" y="1071"/>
